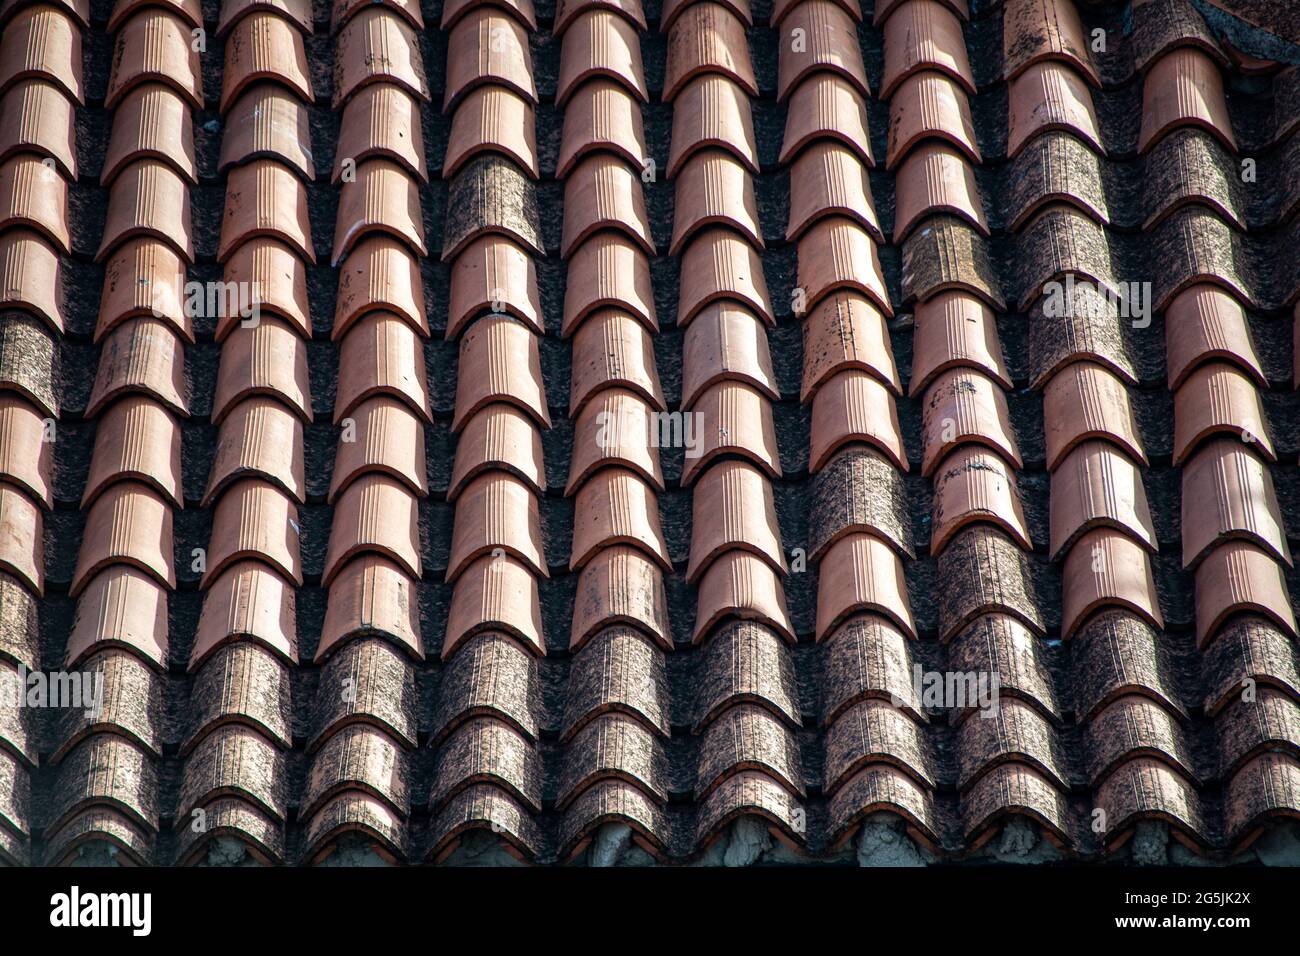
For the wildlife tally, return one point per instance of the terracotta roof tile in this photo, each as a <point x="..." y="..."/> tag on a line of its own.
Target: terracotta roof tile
<point x="1244" y="735"/>
<point x="853" y="407"/>
<point x="409" y="10"/>
<point x="883" y="787"/>
<point x="936" y="178"/>
<point x="1086" y="401"/>
<point x="491" y="196"/>
<point x="714" y="189"/>
<point x="1187" y="168"/>
<point x="826" y="106"/>
<point x="382" y="120"/>
<point x="945" y="254"/>
<point x="1097" y="485"/>
<point x="1035" y="31"/>
<point x="613" y="350"/>
<point x="379" y="273"/>
<point x="829" y="179"/>
<point x="36" y="115"/>
<point x="1014" y="788"/>
<point x="129" y="524"/>
<point x="31" y="276"/>
<point x="601" y="115"/>
<point x="496" y="515"/>
<point x="1050" y="96"/>
<point x="955" y="330"/>
<point x="988" y="574"/>
<point x="872" y="731"/>
<point x="254" y="519"/>
<point x="1162" y="25"/>
<point x="1088" y="330"/>
<point x="616" y="506"/>
<point x="259" y="438"/>
<point x="719" y="264"/>
<point x="1239" y="577"/>
<point x="1219" y="398"/>
<point x="145" y="356"/>
<point x="611" y="270"/>
<point x="149" y="199"/>
<point x="1057" y="167"/>
<point x="615" y="428"/>
<point x="734" y="509"/>
<point x="726" y="341"/>
<point x="187" y="10"/>
<point x="33" y="194"/>
<point x="381" y="355"/>
<point x="710" y="111"/>
<point x="923" y="35"/>
<point x="734" y="419"/>
<point x="355" y="812"/>
<point x="388" y="438"/>
<point x="569" y="10"/>
<point x="860" y="572"/>
<point x="268" y="122"/>
<point x="1148" y="788"/>
<point x="359" y="759"/>
<point x="1136" y="726"/>
<point x="26" y="453"/>
<point x="619" y="585"/>
<point x="929" y="104"/>
<point x="368" y="682"/>
<point x="121" y="607"/>
<point x="498" y="436"/>
<point x="611" y="748"/>
<point x="886" y="8"/>
<point x="1204" y="323"/>
<point x="706" y="37"/>
<point x="107" y="770"/>
<point x="843" y="331"/>
<point x="495" y="594"/>
<point x="1106" y="568"/>
<point x="600" y="43"/>
<point x="371" y="595"/>
<point x="152" y="122"/>
<point x="499" y="361"/>
<point x="672" y="9"/>
<point x="836" y="253"/>
<point x="264" y="199"/>
<point x="155" y="46"/>
<point x="490" y="675"/>
<point x="859" y="489"/>
<point x="377" y="46"/>
<point x="279" y="279"/>
<point x="972" y="485"/>
<point x="965" y="406"/>
<point x="297" y="12"/>
<point x="488" y="47"/>
<point x="493" y="273"/>
<point x="746" y="661"/>
<point x="748" y="738"/>
<point x="28" y="361"/>
<point x="1228" y="493"/>
<point x="1267" y="788"/>
<point x="246" y="602"/>
<point x="42" y="41"/>
<point x="1184" y="88"/>
<point x="374" y="514"/>
<point x="22" y="542"/>
<point x="136" y="439"/>
<point x="489" y="119"/>
<point x="603" y="192"/>
<point x="740" y="585"/>
<point x="264" y="46"/>
<point x="831" y="44"/>
<point x="264" y="359"/>
<point x="382" y="198"/>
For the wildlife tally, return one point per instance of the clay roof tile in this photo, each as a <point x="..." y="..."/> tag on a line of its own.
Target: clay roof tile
<point x="264" y="199"/>
<point x="852" y="407"/>
<point x="613" y="350"/>
<point x="1050" y="96"/>
<point x="499" y="361"/>
<point x="936" y="178"/>
<point x="929" y="104"/>
<point x="259" y="438"/>
<point x="860" y="572"/>
<point x="489" y="119"/>
<point x="1097" y="485"/>
<point x="498" y="436"/>
<point x="831" y="44"/>
<point x="33" y="194"/>
<point x="382" y="120"/>
<point x="487" y="46"/>
<point x="600" y="43"/>
<point x="155" y="46"/>
<point x="37" y="116"/>
<point x="741" y="585"/>
<point x="829" y="179"/>
<point x="386" y="437"/>
<point x="719" y="264"/>
<point x="730" y="418"/>
<point x="131" y="524"/>
<point x="711" y="111"/>
<point x="136" y="439"/>
<point x="845" y="330"/>
<point x="1219" y="398"/>
<point x="615" y="506"/>
<point x="923" y="35"/>
<point x="148" y="198"/>
<point x="603" y="192"/>
<point x="734" y="509"/>
<point x="1107" y="568"/>
<point x="492" y="273"/>
<point x="381" y="354"/>
<point x="826" y="106"/>
<point x="264" y="46"/>
<point x="707" y="37"/>
<point x="378" y="46"/>
<point x="268" y="122"/>
<point x="1184" y="88"/>
<point x="1239" y="577"/>
<point x="267" y="358"/>
<point x="496" y="514"/>
<point x="495" y="594"/>
<point x="42" y="41"/>
<point x="376" y="514"/>
<point x="972" y="485"/>
<point x="1228" y="493"/>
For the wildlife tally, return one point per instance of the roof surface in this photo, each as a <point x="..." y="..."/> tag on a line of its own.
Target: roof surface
<point x="644" y="407"/>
